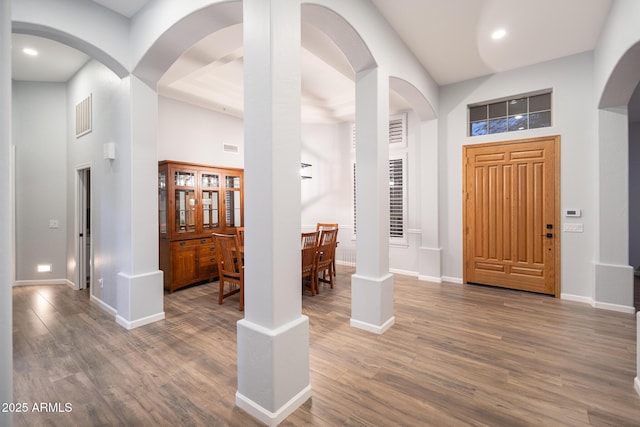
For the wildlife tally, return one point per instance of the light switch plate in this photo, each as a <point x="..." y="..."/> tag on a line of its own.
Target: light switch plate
<point x="573" y="227"/>
<point x="53" y="223"/>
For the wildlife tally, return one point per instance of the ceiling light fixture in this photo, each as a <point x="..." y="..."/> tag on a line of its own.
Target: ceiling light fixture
<point x="498" y="34"/>
<point x="29" y="51"/>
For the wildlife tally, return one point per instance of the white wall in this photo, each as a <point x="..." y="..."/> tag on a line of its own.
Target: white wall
<point x="574" y="115"/>
<point x="193" y="134"/>
<point x="327" y="196"/>
<point x="634" y="195"/>
<point x="108" y="177"/>
<point x="40" y="137"/>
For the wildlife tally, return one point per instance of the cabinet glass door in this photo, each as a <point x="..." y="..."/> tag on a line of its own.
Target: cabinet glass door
<point x="210" y="184"/>
<point x="185" y="201"/>
<point x="232" y="201"/>
<point x="162" y="202"/>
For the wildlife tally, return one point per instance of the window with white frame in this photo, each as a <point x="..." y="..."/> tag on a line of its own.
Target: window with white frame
<point x="397" y="180"/>
<point x="397" y="198"/>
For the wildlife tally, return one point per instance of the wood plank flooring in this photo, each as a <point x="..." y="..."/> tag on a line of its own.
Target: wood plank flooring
<point x="457" y="355"/>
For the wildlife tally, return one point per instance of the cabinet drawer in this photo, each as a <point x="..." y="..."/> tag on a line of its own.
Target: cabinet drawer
<point x="191" y="242"/>
<point x="207" y="255"/>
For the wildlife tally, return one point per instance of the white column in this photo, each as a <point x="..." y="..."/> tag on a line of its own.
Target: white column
<point x="140" y="281"/>
<point x="6" y="218"/>
<point x="273" y="338"/>
<point x="372" y="284"/>
<point x="430" y="252"/>
<point x="613" y="274"/>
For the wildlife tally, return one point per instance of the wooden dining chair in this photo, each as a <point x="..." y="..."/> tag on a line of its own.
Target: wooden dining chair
<point x="240" y="234"/>
<point x="326" y="226"/>
<point x="309" y="251"/>
<point x="326" y="256"/>
<point x="321" y="226"/>
<point x="309" y="239"/>
<point x="230" y="266"/>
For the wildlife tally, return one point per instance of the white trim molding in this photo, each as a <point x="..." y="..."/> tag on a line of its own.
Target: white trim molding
<point x="596" y="304"/>
<point x="272" y="419"/>
<point x="43" y="282"/>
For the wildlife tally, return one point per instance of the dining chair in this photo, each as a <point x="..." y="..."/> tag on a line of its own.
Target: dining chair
<point x="326" y="256"/>
<point x="230" y="266"/>
<point x="309" y="251"/>
<point x="240" y="234"/>
<point x="321" y="226"/>
<point x="309" y="239"/>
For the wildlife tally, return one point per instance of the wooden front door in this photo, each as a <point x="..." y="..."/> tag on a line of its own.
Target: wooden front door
<point x="511" y="214"/>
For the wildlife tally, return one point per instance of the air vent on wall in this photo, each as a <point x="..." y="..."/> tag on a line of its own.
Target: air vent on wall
<point x="230" y="148"/>
<point x="83" y="117"/>
<point x="397" y="132"/>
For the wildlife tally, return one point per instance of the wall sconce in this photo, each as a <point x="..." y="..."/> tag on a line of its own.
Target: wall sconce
<point x="306" y="171"/>
<point x="109" y="150"/>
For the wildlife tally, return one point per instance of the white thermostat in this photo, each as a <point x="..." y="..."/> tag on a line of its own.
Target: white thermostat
<point x="573" y="212"/>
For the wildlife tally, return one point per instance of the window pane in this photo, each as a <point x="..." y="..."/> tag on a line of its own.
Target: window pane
<point x="396" y="194"/>
<point x="478" y="128"/>
<point x="517" y="106"/>
<point x="232" y="181"/>
<point x="497" y="125"/>
<point x="518" y="122"/>
<point x="210" y="180"/>
<point x="540" y="120"/>
<point x="499" y="109"/>
<point x="540" y="102"/>
<point x="477" y="113"/>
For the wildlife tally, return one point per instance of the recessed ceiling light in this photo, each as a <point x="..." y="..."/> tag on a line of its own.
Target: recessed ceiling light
<point x="30" y="52"/>
<point x="498" y="34"/>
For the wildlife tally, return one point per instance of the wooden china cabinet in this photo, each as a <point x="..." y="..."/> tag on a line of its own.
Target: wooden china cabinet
<point x="195" y="201"/>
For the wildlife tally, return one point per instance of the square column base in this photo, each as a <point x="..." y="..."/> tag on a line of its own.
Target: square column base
<point x="140" y="299"/>
<point x="372" y="303"/>
<point x="273" y="369"/>
<point x="614" y="287"/>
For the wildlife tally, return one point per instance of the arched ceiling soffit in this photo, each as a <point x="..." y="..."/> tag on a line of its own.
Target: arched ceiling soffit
<point x="182" y="35"/>
<point x="359" y="56"/>
<point x="623" y="80"/>
<point x="341" y="33"/>
<point x="75" y="42"/>
<point x="413" y="97"/>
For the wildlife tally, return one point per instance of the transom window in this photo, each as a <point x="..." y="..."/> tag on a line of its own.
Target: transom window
<point x="513" y="114"/>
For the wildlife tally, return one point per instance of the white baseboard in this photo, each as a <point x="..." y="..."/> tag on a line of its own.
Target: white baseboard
<point x="615" y="307"/>
<point x="456" y="280"/>
<point x="403" y="272"/>
<point x="429" y="279"/>
<point x="345" y="263"/>
<point x="103" y="305"/>
<point x="272" y="419"/>
<point x="44" y="282"/>
<point x="577" y="298"/>
<point x="138" y="322"/>
<point x="371" y="327"/>
<point x="600" y="305"/>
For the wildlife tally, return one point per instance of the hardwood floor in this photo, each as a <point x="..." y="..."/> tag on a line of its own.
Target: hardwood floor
<point x="457" y="355"/>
